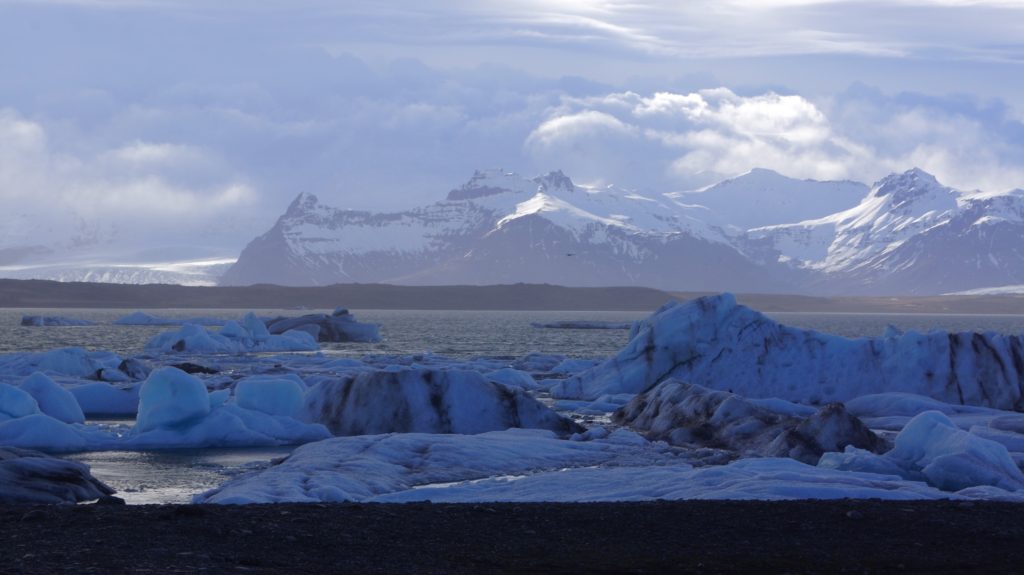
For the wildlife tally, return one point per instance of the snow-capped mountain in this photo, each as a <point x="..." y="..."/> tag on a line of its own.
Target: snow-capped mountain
<point x="764" y="197"/>
<point x="500" y="228"/>
<point x="909" y="235"/>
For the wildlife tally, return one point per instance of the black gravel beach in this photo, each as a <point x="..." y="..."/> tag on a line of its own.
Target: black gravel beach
<point x="847" y="536"/>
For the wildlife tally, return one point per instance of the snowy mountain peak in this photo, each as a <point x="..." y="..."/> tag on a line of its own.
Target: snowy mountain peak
<point x="909" y="185"/>
<point x="491" y="182"/>
<point x="303" y="203"/>
<point x="554" y="182"/>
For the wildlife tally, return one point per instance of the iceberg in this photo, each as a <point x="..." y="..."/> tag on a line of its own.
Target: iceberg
<point x="30" y="477"/>
<point x="685" y="414"/>
<point x="249" y="336"/>
<point x="425" y="401"/>
<point x="932" y="448"/>
<point x="340" y="326"/>
<point x="716" y="343"/>
<point x="175" y="410"/>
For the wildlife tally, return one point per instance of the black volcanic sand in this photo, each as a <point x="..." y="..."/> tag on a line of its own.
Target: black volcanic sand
<point x="849" y="536"/>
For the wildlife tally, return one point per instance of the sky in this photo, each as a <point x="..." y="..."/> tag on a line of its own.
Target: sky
<point x="159" y="129"/>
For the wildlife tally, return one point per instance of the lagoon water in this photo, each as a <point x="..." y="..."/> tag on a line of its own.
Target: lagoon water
<point x="173" y="476"/>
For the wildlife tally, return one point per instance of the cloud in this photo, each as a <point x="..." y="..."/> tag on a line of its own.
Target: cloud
<point x="137" y="192"/>
<point x="687" y="140"/>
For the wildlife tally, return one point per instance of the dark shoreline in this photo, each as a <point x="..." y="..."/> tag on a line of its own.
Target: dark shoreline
<point x="536" y="297"/>
<point x="845" y="536"/>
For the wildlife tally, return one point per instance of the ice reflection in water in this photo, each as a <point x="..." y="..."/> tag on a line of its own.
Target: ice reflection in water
<point x="173" y="475"/>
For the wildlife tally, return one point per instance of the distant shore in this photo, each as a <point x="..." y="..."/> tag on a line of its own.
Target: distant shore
<point x="540" y="297"/>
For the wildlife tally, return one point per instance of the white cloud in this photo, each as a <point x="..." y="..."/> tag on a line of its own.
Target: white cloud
<point x="133" y="191"/>
<point x="694" y="138"/>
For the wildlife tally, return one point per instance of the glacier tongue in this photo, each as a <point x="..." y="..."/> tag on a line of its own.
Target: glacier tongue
<point x="716" y="343"/>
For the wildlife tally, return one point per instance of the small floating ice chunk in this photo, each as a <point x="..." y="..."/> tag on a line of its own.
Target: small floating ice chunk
<point x="582" y="324"/>
<point x="50" y="320"/>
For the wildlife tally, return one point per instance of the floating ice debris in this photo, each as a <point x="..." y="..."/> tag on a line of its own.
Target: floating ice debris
<point x="573" y="324"/>
<point x="142" y="318"/>
<point x="51" y="320"/>
<point x="249" y="336"/>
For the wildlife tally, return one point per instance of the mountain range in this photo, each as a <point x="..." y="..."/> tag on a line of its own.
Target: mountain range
<point x="759" y="232"/>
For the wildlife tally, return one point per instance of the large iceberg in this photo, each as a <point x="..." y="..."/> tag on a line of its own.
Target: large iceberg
<point x="32" y="477"/>
<point x="340" y="326"/>
<point x="686" y="414"/>
<point x="425" y="401"/>
<point x="249" y="336"/>
<point x="716" y="343"/>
